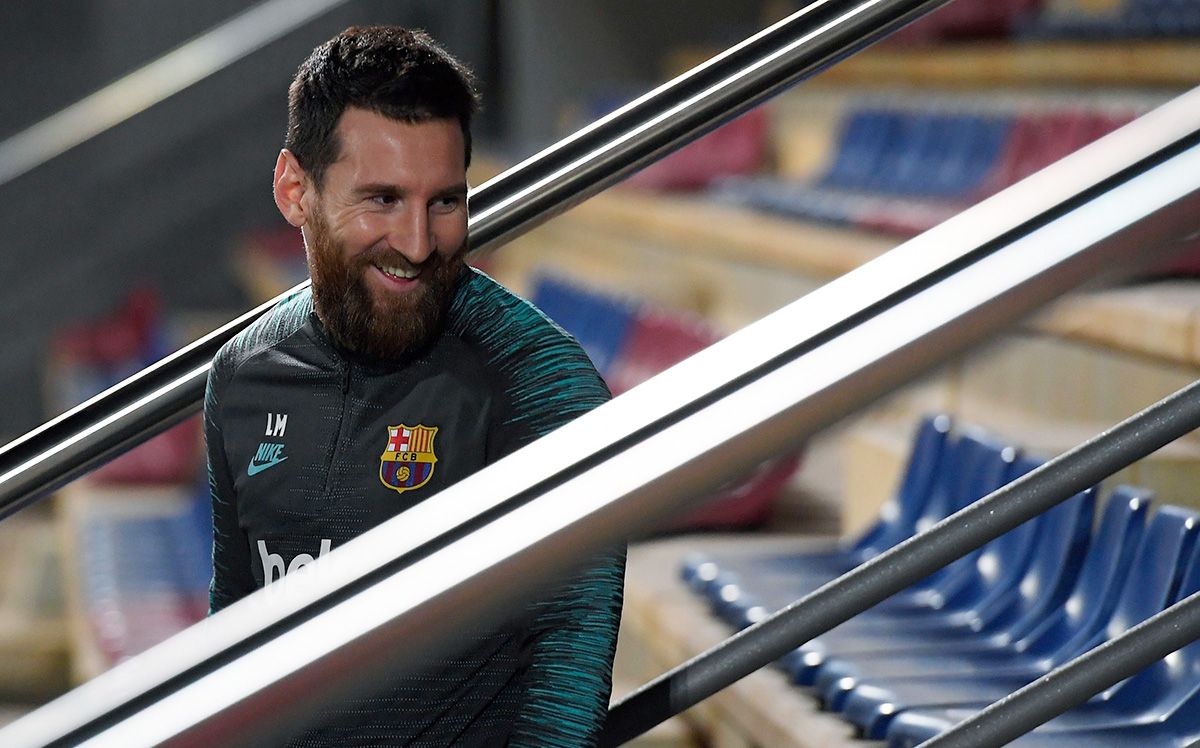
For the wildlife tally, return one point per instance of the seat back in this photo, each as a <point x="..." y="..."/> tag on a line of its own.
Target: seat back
<point x="948" y="471"/>
<point x="1101" y="579"/>
<point x="1182" y="669"/>
<point x="904" y="167"/>
<point x="1002" y="562"/>
<point x="983" y="464"/>
<point x="1157" y="568"/>
<point x="1180" y="706"/>
<point x="862" y="144"/>
<point x="989" y="466"/>
<point x="1056" y="561"/>
<point x="1173" y="682"/>
<point x="983" y="150"/>
<point x="898" y="518"/>
<point x="972" y="463"/>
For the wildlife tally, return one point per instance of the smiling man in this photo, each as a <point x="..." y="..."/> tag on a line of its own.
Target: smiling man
<point x="400" y="373"/>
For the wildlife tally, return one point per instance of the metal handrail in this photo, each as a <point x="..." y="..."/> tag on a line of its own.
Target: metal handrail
<point x="1130" y="195"/>
<point x="1076" y="681"/>
<point x="544" y="186"/>
<point x="155" y="82"/>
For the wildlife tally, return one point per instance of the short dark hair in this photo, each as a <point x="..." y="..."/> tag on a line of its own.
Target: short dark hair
<point x="399" y="73"/>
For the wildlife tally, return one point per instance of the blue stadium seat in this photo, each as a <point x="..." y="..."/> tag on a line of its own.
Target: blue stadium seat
<point x="189" y="536"/>
<point x="1076" y="19"/>
<point x="991" y="572"/>
<point x="1161" y="18"/>
<point x="892" y="170"/>
<point x="936" y="170"/>
<point x="980" y="466"/>
<point x="974" y="584"/>
<point x="866" y="138"/>
<point x="145" y="574"/>
<point x="902" y="164"/>
<point x="897" y="521"/>
<point x="1176" y="729"/>
<point x="918" y="154"/>
<point x="944" y="155"/>
<point x="1143" y="708"/>
<point x="1166" y="546"/>
<point x="791" y="198"/>
<point x="1056" y="559"/>
<point x="971" y="150"/>
<point x="778" y="581"/>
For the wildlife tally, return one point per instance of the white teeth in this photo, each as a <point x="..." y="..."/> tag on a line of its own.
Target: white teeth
<point x="398" y="272"/>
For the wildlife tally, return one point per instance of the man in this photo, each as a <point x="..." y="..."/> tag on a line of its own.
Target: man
<point x="402" y="372"/>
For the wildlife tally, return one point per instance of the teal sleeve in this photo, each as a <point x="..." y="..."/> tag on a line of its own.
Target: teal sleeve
<point x="544" y="380"/>
<point x="569" y="680"/>
<point x="570" y="675"/>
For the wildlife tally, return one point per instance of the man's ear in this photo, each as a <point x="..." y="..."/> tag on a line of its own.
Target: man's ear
<point x="291" y="184"/>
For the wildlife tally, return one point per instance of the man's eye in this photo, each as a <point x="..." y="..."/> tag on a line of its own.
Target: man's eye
<point x="384" y="199"/>
<point x="446" y="204"/>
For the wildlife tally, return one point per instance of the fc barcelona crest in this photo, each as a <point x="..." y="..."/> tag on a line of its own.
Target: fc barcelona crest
<point x="407" y="462"/>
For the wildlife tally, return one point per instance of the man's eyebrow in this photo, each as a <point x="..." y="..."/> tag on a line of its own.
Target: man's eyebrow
<point x="381" y="188"/>
<point x="454" y="190"/>
<point x="377" y="188"/>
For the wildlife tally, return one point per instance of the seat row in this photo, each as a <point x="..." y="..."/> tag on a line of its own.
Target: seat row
<point x="903" y="170"/>
<point x="1058" y="19"/>
<point x="994" y="620"/>
<point x="1122" y="19"/>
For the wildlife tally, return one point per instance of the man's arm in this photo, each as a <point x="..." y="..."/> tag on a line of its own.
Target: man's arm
<point x="542" y="380"/>
<point x="570" y="674"/>
<point x="231" y="578"/>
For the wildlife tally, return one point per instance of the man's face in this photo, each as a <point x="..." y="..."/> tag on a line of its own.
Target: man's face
<point x="387" y="232"/>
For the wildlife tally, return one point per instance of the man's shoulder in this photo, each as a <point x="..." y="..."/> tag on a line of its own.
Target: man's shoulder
<point x="277" y="324"/>
<point x="504" y="325"/>
<point x="538" y="364"/>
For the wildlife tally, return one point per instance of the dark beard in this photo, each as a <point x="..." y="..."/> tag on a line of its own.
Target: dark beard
<point x="395" y="328"/>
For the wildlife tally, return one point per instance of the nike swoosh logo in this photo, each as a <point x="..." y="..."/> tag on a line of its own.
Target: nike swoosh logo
<point x="254" y="468"/>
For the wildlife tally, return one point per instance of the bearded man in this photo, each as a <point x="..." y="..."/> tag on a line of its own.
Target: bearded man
<point x="400" y="373"/>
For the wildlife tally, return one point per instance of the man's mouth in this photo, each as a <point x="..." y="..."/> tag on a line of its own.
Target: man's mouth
<point x="397" y="273"/>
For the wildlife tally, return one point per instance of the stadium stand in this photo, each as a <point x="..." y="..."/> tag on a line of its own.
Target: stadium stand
<point x="919" y="650"/>
<point x="1159" y="560"/>
<point x="1148" y="707"/>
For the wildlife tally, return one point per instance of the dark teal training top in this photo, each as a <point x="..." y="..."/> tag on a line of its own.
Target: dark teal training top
<point x="309" y="446"/>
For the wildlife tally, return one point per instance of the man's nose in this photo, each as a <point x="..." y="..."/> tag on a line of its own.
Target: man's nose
<point x="411" y="235"/>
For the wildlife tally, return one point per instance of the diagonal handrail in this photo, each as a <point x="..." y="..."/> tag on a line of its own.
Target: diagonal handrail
<point x="369" y="608"/>
<point x="799" y="46"/>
